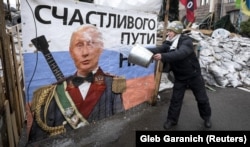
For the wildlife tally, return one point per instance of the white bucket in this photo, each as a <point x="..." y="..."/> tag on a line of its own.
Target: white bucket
<point x="140" y="56"/>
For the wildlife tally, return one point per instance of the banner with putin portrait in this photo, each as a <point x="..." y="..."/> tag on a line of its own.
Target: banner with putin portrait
<point x="56" y="20"/>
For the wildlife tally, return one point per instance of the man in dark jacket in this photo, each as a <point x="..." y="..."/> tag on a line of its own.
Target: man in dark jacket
<point x="178" y="52"/>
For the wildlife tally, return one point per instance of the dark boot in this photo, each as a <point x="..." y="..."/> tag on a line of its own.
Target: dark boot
<point x="168" y="124"/>
<point x="207" y="123"/>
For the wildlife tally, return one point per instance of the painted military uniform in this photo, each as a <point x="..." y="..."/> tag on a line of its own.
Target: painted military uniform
<point x="60" y="107"/>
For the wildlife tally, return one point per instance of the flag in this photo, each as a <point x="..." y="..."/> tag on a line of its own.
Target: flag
<point x="237" y="4"/>
<point x="244" y="7"/>
<point x="248" y="4"/>
<point x="190" y="6"/>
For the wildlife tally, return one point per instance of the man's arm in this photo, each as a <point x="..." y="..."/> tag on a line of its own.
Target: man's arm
<point x="184" y="50"/>
<point x="161" y="49"/>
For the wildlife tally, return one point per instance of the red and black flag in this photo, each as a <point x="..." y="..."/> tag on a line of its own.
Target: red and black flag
<point x="190" y="7"/>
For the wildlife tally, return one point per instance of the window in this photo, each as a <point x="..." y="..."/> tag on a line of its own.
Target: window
<point x="231" y="1"/>
<point x="204" y="2"/>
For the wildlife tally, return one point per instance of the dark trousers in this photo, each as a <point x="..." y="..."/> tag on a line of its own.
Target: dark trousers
<point x="197" y="86"/>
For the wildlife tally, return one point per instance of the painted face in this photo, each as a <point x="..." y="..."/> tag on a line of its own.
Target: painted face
<point x="171" y="34"/>
<point x="85" y="49"/>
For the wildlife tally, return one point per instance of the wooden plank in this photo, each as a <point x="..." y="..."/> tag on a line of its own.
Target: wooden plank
<point x="166" y="21"/>
<point x="6" y="64"/>
<point x="10" y="82"/>
<point x="2" y="130"/>
<point x="9" y="124"/>
<point x="2" y="92"/>
<point x="157" y="82"/>
<point x="159" y="65"/>
<point x="9" y="72"/>
<point x="2" y="95"/>
<point x="14" y="128"/>
<point x="18" y="90"/>
<point x="21" y="89"/>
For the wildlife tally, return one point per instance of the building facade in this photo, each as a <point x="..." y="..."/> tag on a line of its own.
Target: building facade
<point x="219" y="8"/>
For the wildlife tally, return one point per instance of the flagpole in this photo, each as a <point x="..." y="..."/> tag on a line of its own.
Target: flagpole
<point x="166" y="21"/>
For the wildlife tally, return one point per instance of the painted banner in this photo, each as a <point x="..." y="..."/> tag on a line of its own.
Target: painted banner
<point x="121" y="29"/>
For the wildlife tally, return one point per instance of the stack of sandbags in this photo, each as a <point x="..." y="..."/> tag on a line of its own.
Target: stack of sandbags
<point x="224" y="60"/>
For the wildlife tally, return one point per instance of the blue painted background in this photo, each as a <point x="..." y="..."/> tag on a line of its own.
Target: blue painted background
<point x="43" y="75"/>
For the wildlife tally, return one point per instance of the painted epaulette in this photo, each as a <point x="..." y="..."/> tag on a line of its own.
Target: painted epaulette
<point x="118" y="83"/>
<point x="42" y="98"/>
<point x="39" y="93"/>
